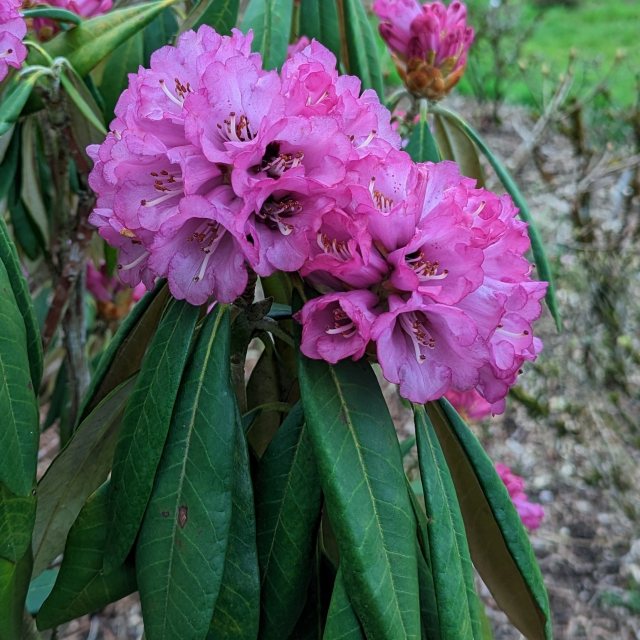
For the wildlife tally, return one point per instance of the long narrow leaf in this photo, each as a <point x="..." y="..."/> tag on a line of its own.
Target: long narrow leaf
<point x="219" y="14"/>
<point x="422" y="146"/>
<point x="271" y="24"/>
<point x="288" y="502"/>
<point x="342" y="622"/>
<point x="145" y="426"/>
<point x="9" y="256"/>
<point x="18" y="408"/>
<point x="82" y="586"/>
<point x="362" y="478"/>
<point x="319" y="20"/>
<point x="14" y="585"/>
<point x="539" y="255"/>
<point x="76" y="472"/>
<point x="499" y="545"/>
<point x="458" y="606"/>
<point x="180" y="555"/>
<point x="53" y="13"/>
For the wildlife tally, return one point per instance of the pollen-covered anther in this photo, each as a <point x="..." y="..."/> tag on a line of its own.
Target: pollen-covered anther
<point x="342" y="324"/>
<point x="236" y="129"/>
<point x="337" y="248"/>
<point x="382" y="202"/>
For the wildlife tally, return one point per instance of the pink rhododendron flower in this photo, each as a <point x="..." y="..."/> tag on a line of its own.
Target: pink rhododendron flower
<point x="430" y="43"/>
<point x="12" y="31"/>
<point x="46" y="28"/>
<point x="530" y="513"/>
<point x="113" y="299"/>
<point x="337" y="326"/>
<point x="471" y="405"/>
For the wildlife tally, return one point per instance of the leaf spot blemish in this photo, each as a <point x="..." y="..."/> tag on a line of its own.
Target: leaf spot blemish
<point x="165" y="514"/>
<point x="182" y="516"/>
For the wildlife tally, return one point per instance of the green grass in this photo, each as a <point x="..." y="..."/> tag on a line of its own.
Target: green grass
<point x="597" y="30"/>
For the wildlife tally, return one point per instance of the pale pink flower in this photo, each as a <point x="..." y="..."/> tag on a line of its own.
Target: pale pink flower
<point x="471" y="405"/>
<point x="530" y="512"/>
<point x="12" y="30"/>
<point x="338" y="325"/>
<point x="429" y="42"/>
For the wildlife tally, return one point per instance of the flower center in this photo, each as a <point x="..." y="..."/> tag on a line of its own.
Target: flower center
<point x="339" y="249"/>
<point x="168" y="185"/>
<point x="236" y="129"/>
<point x="414" y="326"/>
<point x="274" y="163"/>
<point x="382" y="203"/>
<point x="342" y="324"/>
<point x="274" y="212"/>
<point x="180" y="89"/>
<point x="425" y="269"/>
<point x="208" y="235"/>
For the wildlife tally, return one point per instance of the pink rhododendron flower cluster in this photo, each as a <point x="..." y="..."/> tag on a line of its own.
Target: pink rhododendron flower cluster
<point x="12" y="31"/>
<point x="214" y="165"/>
<point x="429" y="42"/>
<point x="530" y="512"/>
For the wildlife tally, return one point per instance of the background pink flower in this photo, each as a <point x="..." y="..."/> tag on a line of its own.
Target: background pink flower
<point x="12" y="31"/>
<point x="530" y="512"/>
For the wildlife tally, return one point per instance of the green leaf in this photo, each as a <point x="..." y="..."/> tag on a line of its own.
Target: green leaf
<point x="288" y="503"/>
<point x="30" y="184"/>
<point x="263" y="388"/>
<point x="92" y="41"/>
<point x="76" y="472"/>
<point x="115" y="78"/>
<point x="9" y="256"/>
<point x="123" y="355"/>
<point x="144" y="427"/>
<point x="159" y="33"/>
<point x="14" y="584"/>
<point x="342" y="622"/>
<point x="362" y="53"/>
<point x="10" y="162"/>
<point x="362" y="478"/>
<point x="457" y="602"/>
<point x="455" y="145"/>
<point x="82" y="586"/>
<point x="18" y="408"/>
<point x="422" y="146"/>
<point x="15" y="97"/>
<point x="219" y="14"/>
<point x="53" y="13"/>
<point x="40" y="589"/>
<point x="81" y="97"/>
<point x="319" y="20"/>
<point x="537" y="247"/>
<point x="499" y="545"/>
<point x="271" y="24"/>
<point x="180" y="555"/>
<point x="237" y="612"/>
<point x="17" y="515"/>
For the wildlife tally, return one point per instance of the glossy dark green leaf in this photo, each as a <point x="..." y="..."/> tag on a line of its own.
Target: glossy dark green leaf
<point x="319" y="20"/>
<point x="144" y="427"/>
<point x="180" y="554"/>
<point x="17" y="515"/>
<point x="342" y="622"/>
<point x="263" y="389"/>
<point x="362" y="478"/>
<point x="219" y="14"/>
<point x="121" y="62"/>
<point x="362" y="52"/>
<point x="237" y="612"/>
<point x="499" y="545"/>
<point x="123" y="355"/>
<point x="288" y="502"/>
<point x="422" y="146"/>
<point x="458" y="605"/>
<point x="9" y="165"/>
<point x="53" y="13"/>
<point x="91" y="42"/>
<point x="76" y="472"/>
<point x="14" y="584"/>
<point x="159" y="33"/>
<point x="15" y="98"/>
<point x="26" y="232"/>
<point x="537" y="247"/>
<point x="455" y="145"/>
<point x="19" y="423"/>
<point x="82" y="586"/>
<point x="271" y="24"/>
<point x="9" y="256"/>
